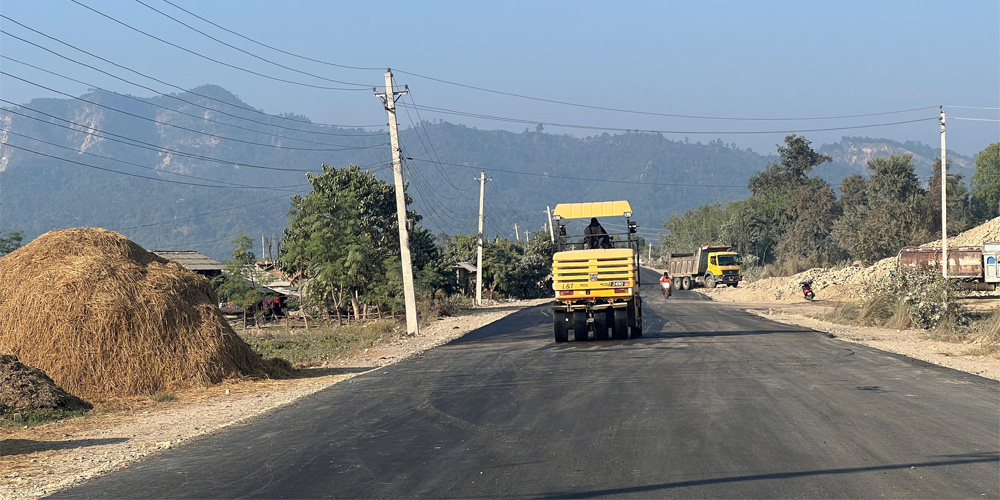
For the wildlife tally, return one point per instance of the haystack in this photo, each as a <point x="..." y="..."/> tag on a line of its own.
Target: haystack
<point x="104" y="318"/>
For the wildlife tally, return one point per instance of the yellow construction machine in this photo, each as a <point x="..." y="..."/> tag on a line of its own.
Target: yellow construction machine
<point x="596" y="275"/>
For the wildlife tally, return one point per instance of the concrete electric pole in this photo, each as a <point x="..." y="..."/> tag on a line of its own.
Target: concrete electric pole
<point x="479" y="245"/>
<point x="552" y="231"/>
<point x="944" y="201"/>
<point x="516" y="233"/>
<point x="389" y="99"/>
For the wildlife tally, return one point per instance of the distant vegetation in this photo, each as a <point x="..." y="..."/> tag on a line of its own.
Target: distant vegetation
<point x="793" y="220"/>
<point x="658" y="175"/>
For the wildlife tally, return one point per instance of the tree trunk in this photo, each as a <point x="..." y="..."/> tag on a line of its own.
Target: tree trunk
<point x="338" y="294"/>
<point x="355" y="306"/>
<point x="302" y="308"/>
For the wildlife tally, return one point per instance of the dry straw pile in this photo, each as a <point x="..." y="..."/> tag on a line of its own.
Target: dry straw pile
<point x="105" y="318"/>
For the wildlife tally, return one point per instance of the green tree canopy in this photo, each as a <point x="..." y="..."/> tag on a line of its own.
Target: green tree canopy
<point x="985" y="183"/>
<point x="340" y="235"/>
<point x="10" y="241"/>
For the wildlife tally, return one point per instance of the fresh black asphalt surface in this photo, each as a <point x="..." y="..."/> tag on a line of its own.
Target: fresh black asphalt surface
<point x="711" y="402"/>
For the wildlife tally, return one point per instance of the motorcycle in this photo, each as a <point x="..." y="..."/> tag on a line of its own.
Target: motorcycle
<point x="807" y="290"/>
<point x="666" y="289"/>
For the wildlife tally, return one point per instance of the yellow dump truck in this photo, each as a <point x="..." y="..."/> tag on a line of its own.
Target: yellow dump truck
<point x="708" y="265"/>
<point x="596" y="276"/>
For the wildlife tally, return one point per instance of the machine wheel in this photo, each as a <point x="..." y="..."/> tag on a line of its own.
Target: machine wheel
<point x="686" y="283"/>
<point x="634" y="317"/>
<point x="602" y="322"/>
<point x="619" y="330"/>
<point x="710" y="280"/>
<point x="560" y="323"/>
<point x="580" y="330"/>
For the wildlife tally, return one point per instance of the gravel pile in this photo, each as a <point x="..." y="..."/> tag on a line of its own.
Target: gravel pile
<point x="842" y="283"/>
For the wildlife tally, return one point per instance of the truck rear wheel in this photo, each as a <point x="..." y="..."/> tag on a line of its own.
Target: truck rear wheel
<point x="635" y="317"/>
<point x="580" y="330"/>
<point x="686" y="283"/>
<point x="619" y="330"/>
<point x="560" y="323"/>
<point x="602" y="321"/>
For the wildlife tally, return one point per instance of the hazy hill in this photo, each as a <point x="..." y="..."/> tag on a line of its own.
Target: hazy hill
<point x="529" y="170"/>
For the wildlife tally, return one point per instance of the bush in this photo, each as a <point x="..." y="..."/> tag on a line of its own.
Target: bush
<point x="922" y="300"/>
<point x="845" y="313"/>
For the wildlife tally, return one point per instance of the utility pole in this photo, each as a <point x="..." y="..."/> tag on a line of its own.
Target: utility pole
<point x="389" y="100"/>
<point x="944" y="201"/>
<point x="650" y="252"/>
<point x="479" y="245"/>
<point x="552" y="231"/>
<point x="517" y="234"/>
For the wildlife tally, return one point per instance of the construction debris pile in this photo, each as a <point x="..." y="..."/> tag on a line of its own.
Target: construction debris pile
<point x="105" y="318"/>
<point x="844" y="283"/>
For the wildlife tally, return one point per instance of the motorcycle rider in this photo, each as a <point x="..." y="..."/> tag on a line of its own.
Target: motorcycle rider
<point x="667" y="279"/>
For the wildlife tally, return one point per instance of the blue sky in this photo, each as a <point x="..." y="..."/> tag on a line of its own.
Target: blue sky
<point x="729" y="60"/>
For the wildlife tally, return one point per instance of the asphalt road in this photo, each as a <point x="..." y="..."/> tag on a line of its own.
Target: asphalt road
<point x="712" y="402"/>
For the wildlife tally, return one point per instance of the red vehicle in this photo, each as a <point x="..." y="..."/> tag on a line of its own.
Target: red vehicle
<point x="807" y="289"/>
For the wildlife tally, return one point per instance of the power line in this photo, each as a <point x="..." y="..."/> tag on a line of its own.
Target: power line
<point x="170" y="96"/>
<point x="233" y="66"/>
<point x="126" y="68"/>
<point x="203" y="214"/>
<point x="972" y="107"/>
<point x="428" y="152"/>
<point x="553" y="101"/>
<point x="120" y="172"/>
<point x="185" y="128"/>
<point x="439" y="220"/>
<point x="268" y="46"/>
<point x="196" y="30"/>
<point x="503" y="199"/>
<point x="433" y="150"/>
<point x="654" y="131"/>
<point x="143" y="101"/>
<point x="974" y="119"/>
<point x="271" y="188"/>
<point x="417" y="178"/>
<point x="671" y="184"/>
<point x="652" y="113"/>
<point x="137" y="143"/>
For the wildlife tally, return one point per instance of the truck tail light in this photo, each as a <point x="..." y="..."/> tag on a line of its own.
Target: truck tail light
<point x="621" y="290"/>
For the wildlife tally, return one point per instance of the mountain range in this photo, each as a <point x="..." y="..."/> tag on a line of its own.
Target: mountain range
<point x="193" y="170"/>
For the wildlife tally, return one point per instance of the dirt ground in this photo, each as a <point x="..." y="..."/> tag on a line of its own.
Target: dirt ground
<point x="38" y="461"/>
<point x="917" y="344"/>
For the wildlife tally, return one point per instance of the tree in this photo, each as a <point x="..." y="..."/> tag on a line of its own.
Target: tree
<point x="10" y="241"/>
<point x="797" y="159"/>
<point x="695" y="227"/>
<point x="895" y="215"/>
<point x="985" y="184"/>
<point x="783" y="192"/>
<point x="343" y="235"/>
<point x="853" y="192"/>
<point x="233" y="285"/>
<point x="813" y="211"/>
<point x="960" y="215"/>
